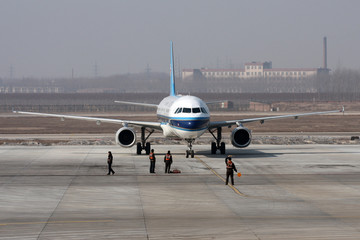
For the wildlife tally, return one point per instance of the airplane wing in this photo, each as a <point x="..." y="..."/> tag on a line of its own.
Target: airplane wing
<point x="263" y="119"/>
<point x="138" y="104"/>
<point x="153" y="125"/>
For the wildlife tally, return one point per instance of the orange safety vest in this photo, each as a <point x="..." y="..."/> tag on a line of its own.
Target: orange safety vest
<point x="167" y="157"/>
<point x="229" y="166"/>
<point x="151" y="156"/>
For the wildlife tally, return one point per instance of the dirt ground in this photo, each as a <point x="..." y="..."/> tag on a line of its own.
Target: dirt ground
<point x="20" y="124"/>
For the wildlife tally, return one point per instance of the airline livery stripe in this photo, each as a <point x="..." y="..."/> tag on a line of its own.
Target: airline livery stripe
<point x="183" y="118"/>
<point x="189" y="130"/>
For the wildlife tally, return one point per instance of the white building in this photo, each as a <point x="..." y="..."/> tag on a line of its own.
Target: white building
<point x="254" y="70"/>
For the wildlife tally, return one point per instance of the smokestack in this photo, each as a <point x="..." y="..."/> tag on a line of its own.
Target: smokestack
<point x="325" y="54"/>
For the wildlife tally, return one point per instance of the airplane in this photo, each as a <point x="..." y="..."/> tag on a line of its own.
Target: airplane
<point x="180" y="117"/>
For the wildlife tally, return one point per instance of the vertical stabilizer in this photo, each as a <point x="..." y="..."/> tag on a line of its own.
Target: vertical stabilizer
<point x="172" y="74"/>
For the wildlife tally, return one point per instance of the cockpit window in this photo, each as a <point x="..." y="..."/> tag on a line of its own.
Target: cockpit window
<point x="203" y="110"/>
<point x="186" y="110"/>
<point x="190" y="110"/>
<point x="178" y="110"/>
<point x="196" y="110"/>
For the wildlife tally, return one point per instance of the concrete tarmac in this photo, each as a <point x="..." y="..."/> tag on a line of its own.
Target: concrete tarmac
<point x="285" y="192"/>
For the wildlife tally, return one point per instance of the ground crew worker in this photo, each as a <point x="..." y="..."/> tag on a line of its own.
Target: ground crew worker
<point x="227" y="158"/>
<point x="110" y="161"/>
<point x="230" y="167"/>
<point x="168" y="161"/>
<point x="152" y="161"/>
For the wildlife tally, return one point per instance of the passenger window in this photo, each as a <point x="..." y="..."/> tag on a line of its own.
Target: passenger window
<point x="186" y="110"/>
<point x="196" y="110"/>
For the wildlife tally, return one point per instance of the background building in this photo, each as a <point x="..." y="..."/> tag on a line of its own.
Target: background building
<point x="253" y="70"/>
<point x="259" y="77"/>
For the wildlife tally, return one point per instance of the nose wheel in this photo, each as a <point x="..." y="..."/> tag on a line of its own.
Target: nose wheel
<point x="190" y="151"/>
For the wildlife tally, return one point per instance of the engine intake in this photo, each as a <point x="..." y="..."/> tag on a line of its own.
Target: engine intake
<point x="241" y="137"/>
<point x="125" y="137"/>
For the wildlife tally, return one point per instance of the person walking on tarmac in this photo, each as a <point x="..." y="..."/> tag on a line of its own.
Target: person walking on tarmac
<point x="110" y="161"/>
<point x="230" y="167"/>
<point x="152" y="161"/>
<point x="168" y="161"/>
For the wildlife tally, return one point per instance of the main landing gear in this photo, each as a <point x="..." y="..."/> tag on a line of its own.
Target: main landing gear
<point x="143" y="145"/>
<point x="218" y="145"/>
<point x="190" y="151"/>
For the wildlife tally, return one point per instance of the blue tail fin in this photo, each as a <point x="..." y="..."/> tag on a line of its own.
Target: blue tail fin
<point x="172" y="74"/>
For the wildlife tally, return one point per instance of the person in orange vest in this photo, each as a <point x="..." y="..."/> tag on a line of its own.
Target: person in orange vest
<point x="230" y="167"/>
<point x="152" y="161"/>
<point x="168" y="161"/>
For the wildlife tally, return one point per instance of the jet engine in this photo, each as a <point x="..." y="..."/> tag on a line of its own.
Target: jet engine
<point x="125" y="137"/>
<point x="241" y="137"/>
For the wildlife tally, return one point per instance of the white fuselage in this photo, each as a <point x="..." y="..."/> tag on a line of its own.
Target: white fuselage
<point x="185" y="117"/>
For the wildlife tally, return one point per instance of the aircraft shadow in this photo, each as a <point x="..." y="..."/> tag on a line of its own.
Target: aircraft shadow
<point x="238" y="153"/>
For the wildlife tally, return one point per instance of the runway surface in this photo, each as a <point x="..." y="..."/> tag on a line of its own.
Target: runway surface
<point x="285" y="192"/>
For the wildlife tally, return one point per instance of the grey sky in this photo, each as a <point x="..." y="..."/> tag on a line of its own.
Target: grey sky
<point x="48" y="38"/>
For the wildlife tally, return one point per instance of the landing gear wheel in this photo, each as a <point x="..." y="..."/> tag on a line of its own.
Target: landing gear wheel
<point x="218" y="144"/>
<point x="143" y="145"/>
<point x="190" y="151"/>
<point x="138" y="148"/>
<point x="213" y="148"/>
<point x="222" y="148"/>
<point x="147" y="148"/>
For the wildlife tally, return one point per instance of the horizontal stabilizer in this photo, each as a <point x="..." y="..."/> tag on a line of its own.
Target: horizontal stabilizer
<point x="215" y="102"/>
<point x="138" y="104"/>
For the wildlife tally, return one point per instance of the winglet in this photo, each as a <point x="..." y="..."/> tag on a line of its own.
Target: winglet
<point x="172" y="74"/>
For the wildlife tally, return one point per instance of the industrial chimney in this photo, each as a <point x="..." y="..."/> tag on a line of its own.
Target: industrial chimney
<point x="325" y="54"/>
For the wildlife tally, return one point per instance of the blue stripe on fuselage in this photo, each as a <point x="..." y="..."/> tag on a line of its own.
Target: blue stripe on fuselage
<point x="187" y="124"/>
<point x="192" y="125"/>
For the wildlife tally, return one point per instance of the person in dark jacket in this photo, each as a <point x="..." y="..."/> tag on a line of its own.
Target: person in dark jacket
<point x="109" y="162"/>
<point x="230" y="167"/>
<point x="168" y="161"/>
<point x="227" y="158"/>
<point x="152" y="161"/>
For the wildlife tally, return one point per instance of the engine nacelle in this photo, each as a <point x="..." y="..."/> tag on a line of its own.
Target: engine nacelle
<point x="125" y="137"/>
<point x="241" y="137"/>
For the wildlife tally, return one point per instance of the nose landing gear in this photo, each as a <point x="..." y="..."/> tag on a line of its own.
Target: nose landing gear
<point x="190" y="151"/>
